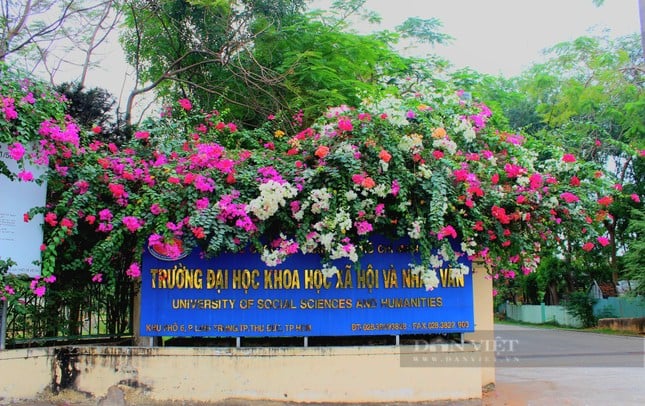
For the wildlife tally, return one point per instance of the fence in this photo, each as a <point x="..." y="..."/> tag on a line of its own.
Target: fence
<point x="90" y="312"/>
<point x="620" y="307"/>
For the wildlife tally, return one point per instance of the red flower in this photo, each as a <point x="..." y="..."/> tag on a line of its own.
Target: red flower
<point x="588" y="246"/>
<point x="605" y="200"/>
<point x="50" y="218"/>
<point x="574" y="181"/>
<point x="568" y="158"/>
<point x="322" y="151"/>
<point x="385" y="156"/>
<point x="185" y="104"/>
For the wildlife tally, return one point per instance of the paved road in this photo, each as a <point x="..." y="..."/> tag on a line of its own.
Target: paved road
<point x="562" y="367"/>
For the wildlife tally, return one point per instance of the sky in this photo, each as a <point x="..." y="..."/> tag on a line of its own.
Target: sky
<point x="505" y="36"/>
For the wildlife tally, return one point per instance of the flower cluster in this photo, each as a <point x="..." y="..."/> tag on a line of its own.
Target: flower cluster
<point x="424" y="166"/>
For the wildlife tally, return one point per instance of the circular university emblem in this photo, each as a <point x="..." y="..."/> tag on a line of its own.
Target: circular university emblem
<point x="168" y="252"/>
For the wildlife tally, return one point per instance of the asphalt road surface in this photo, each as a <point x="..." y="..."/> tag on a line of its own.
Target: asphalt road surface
<point x="537" y="366"/>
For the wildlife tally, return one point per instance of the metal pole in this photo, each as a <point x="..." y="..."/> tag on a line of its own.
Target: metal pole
<point x="3" y="324"/>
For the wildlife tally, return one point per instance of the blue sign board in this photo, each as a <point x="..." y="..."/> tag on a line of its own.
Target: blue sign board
<point x="237" y="295"/>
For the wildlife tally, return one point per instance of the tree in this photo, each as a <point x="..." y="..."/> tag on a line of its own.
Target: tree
<point x="201" y="49"/>
<point x="588" y="98"/>
<point x="262" y="61"/>
<point x="47" y="34"/>
<point x="635" y="256"/>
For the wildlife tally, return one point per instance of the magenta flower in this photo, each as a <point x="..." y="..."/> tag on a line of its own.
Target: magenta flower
<point x="202" y="203"/>
<point x="16" y="151"/>
<point x="25" y="176"/>
<point x="447" y="231"/>
<point x="155" y="209"/>
<point x="345" y="124"/>
<point x="185" y="104"/>
<point x="133" y="271"/>
<point x="132" y="223"/>
<point x="142" y="135"/>
<point x="569" y="197"/>
<point x="363" y="227"/>
<point x="98" y="278"/>
<point x="39" y="291"/>
<point x="635" y="198"/>
<point x="568" y="158"/>
<point x="395" y="188"/>
<point x="105" y="215"/>
<point x="604" y="241"/>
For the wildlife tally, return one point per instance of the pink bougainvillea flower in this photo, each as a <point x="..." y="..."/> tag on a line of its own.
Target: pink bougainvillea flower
<point x="604" y="241"/>
<point x="436" y="154"/>
<point x="185" y="104"/>
<point x="50" y="218"/>
<point x="202" y="203"/>
<point x="65" y="222"/>
<point x="588" y="246"/>
<point x="379" y="209"/>
<point x="25" y="176"/>
<point x="39" y="291"/>
<point x="16" y="151"/>
<point x="142" y="135"/>
<point x="569" y="197"/>
<point x="155" y="209"/>
<point x="447" y="231"/>
<point x="395" y="188"/>
<point x="513" y="171"/>
<point x="345" y="124"/>
<point x="132" y="223"/>
<point x="363" y="227"/>
<point x="133" y="271"/>
<point x="635" y="198"/>
<point x="105" y="215"/>
<point x="358" y="178"/>
<point x="26" y="218"/>
<point x="618" y="187"/>
<point x="98" y="278"/>
<point x="568" y="158"/>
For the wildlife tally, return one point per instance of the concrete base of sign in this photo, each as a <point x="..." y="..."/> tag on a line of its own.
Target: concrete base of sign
<point x="312" y="374"/>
